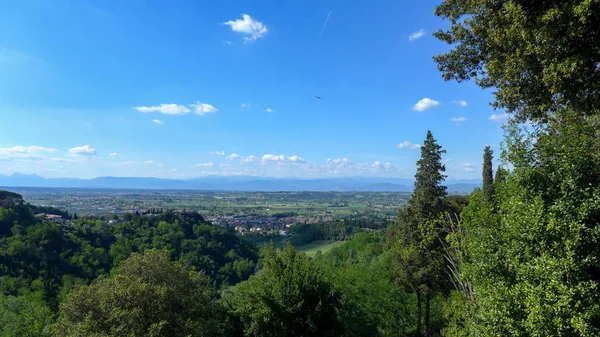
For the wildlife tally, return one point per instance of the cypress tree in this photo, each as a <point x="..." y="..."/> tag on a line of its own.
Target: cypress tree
<point x="417" y="265"/>
<point x="488" y="177"/>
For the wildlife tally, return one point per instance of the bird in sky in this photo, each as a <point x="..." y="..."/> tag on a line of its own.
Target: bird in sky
<point x="319" y="97"/>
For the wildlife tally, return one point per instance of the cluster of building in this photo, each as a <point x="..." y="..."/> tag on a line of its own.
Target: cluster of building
<point x="53" y="217"/>
<point x="261" y="231"/>
<point x="264" y="222"/>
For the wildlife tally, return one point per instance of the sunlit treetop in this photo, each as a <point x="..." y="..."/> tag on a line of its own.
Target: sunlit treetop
<point x="540" y="56"/>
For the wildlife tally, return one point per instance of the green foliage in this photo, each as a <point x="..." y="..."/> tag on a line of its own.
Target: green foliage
<point x="287" y="297"/>
<point x="418" y="260"/>
<point x="488" y="175"/>
<point x="539" y="56"/>
<point x="26" y="315"/>
<point x="457" y="203"/>
<point x="374" y="305"/>
<point x="148" y="296"/>
<point x="338" y="230"/>
<point x="428" y="196"/>
<point x="534" y="265"/>
<point x="51" y="259"/>
<point x="10" y="199"/>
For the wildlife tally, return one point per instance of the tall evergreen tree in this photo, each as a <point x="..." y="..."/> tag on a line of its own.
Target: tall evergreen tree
<point x="488" y="177"/>
<point x="418" y="264"/>
<point x="428" y="196"/>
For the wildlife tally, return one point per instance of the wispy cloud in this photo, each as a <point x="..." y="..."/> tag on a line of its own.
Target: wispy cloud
<point x="269" y="110"/>
<point x="246" y="105"/>
<point x="210" y="164"/>
<point x="114" y="155"/>
<point x="497" y="117"/>
<point x="84" y="150"/>
<point x="153" y="163"/>
<point x="157" y="121"/>
<point x="467" y="167"/>
<point x="218" y="153"/>
<point x="416" y="35"/>
<point x="233" y="156"/>
<point x="458" y="120"/>
<point x="425" y="104"/>
<point x="167" y="109"/>
<point x="338" y="160"/>
<point x="227" y="42"/>
<point x="148" y="163"/>
<point x="248" y="26"/>
<point x="248" y="160"/>
<point x="203" y="108"/>
<point x="461" y="102"/>
<point x="407" y="145"/>
<point x="25" y="152"/>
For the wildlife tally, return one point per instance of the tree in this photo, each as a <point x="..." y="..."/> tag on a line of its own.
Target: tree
<point x="148" y="296"/>
<point x="500" y="178"/>
<point x="288" y="297"/>
<point x="488" y="178"/>
<point x="10" y="199"/>
<point x="540" y="56"/>
<point x="418" y="264"/>
<point x="26" y="315"/>
<point x="534" y="264"/>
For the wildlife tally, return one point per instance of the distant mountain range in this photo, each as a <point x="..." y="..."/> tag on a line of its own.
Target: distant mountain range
<point x="244" y="183"/>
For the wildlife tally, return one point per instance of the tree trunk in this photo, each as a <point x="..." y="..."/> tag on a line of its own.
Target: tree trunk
<point x="419" y="326"/>
<point x="427" y="315"/>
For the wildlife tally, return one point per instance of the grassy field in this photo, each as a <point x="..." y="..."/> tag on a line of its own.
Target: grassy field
<point x="322" y="245"/>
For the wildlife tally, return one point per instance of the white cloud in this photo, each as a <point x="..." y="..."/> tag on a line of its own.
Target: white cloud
<point x="149" y="163"/>
<point x="458" y="120"/>
<point x="114" y="155"/>
<point x="407" y="145"/>
<point x="497" y="117"/>
<point x="233" y="156"/>
<point x="153" y="163"/>
<point x="382" y="166"/>
<point x="281" y="159"/>
<point x="85" y="150"/>
<point x="296" y="159"/>
<point x="218" y="153"/>
<point x="273" y="158"/>
<point x="158" y="121"/>
<point x="203" y="108"/>
<point x="269" y="110"/>
<point x="248" y="160"/>
<point x="61" y="160"/>
<point x="246" y="105"/>
<point x="416" y="35"/>
<point x="167" y="109"/>
<point x="338" y="160"/>
<point x="425" y="104"/>
<point x="227" y="42"/>
<point x="467" y="167"/>
<point x="25" y="152"/>
<point x="248" y="26"/>
<point x="461" y="102"/>
<point x="211" y="164"/>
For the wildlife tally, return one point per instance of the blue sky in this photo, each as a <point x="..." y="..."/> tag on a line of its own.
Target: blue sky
<point x="182" y="89"/>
